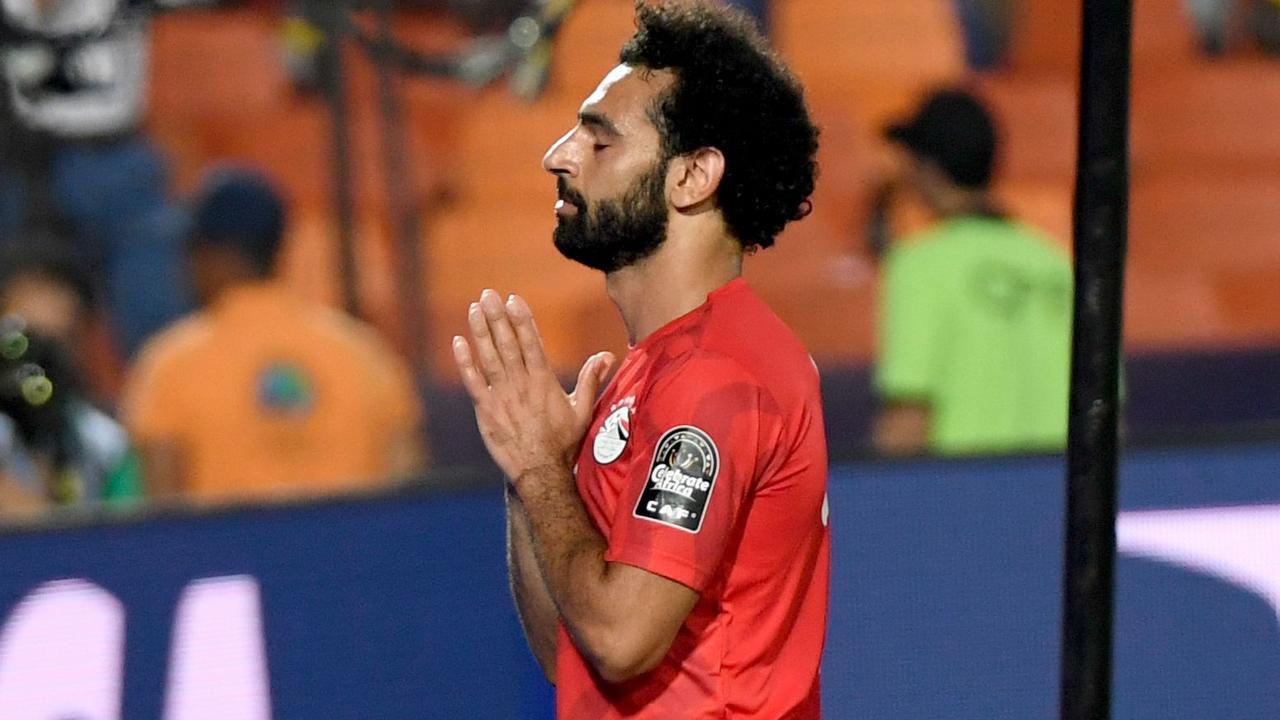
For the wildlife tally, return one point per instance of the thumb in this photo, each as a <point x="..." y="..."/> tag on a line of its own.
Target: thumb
<point x="591" y="377"/>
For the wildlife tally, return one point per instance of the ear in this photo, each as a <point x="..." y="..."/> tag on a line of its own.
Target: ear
<point x="695" y="177"/>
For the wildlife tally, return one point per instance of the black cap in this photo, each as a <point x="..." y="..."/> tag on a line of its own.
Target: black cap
<point x="239" y="207"/>
<point x="954" y="130"/>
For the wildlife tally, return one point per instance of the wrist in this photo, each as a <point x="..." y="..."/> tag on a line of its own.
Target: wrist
<point x="541" y="476"/>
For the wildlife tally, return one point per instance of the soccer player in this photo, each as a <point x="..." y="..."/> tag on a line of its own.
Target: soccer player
<point x="668" y="544"/>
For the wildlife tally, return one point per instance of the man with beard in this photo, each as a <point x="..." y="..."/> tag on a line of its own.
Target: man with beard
<point x="668" y="546"/>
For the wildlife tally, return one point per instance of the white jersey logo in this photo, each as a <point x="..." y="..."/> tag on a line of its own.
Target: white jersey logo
<point x="612" y="437"/>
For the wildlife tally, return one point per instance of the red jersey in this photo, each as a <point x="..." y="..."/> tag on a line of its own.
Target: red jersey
<point x="706" y="463"/>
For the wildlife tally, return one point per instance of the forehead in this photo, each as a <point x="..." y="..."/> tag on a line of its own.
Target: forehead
<point x="626" y="94"/>
<point x="36" y="281"/>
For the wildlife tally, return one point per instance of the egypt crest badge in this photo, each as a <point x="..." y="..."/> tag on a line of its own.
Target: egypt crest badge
<point x="611" y="438"/>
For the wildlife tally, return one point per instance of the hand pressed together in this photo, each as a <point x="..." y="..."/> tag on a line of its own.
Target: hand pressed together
<point x="526" y="418"/>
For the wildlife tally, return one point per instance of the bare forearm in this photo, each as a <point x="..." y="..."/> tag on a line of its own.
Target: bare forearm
<point x="537" y="612"/>
<point x="622" y="619"/>
<point x="570" y="552"/>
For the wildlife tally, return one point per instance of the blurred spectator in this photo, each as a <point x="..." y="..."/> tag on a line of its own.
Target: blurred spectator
<point x="43" y="281"/>
<point x="261" y="394"/>
<point x="73" y="91"/>
<point x="55" y="447"/>
<point x="975" y="311"/>
<point x="62" y="449"/>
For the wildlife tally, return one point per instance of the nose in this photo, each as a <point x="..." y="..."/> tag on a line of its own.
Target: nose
<point x="560" y="158"/>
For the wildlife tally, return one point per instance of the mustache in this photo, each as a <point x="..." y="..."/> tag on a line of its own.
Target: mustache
<point x="569" y="195"/>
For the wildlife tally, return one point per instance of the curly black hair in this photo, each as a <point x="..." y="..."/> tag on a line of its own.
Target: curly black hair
<point x="731" y="92"/>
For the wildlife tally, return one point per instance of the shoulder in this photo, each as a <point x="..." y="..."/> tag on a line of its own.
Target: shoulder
<point x="710" y="392"/>
<point x="706" y="367"/>
<point x="342" y="330"/>
<point x="1048" y="246"/>
<point x="359" y="343"/>
<point x="161" y="374"/>
<point x="738" y="353"/>
<point x="1038" y="250"/>
<point x="343" y="327"/>
<point x="747" y="339"/>
<point x="713" y="381"/>
<point x="916" y="250"/>
<point x="175" y="344"/>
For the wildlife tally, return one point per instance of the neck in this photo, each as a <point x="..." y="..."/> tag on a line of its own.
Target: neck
<point x="963" y="201"/>
<point x="227" y="287"/>
<point x="676" y="279"/>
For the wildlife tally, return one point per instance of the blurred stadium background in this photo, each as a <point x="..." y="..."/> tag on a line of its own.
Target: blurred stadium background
<point x="393" y="603"/>
<point x="1204" y="259"/>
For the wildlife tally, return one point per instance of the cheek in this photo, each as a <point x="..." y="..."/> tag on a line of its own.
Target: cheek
<point x="615" y="178"/>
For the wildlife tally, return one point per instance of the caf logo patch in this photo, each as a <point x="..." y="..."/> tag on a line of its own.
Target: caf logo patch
<point x="681" y="478"/>
<point x="612" y="437"/>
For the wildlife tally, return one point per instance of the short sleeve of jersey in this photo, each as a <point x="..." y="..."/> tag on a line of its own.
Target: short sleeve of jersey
<point x="697" y="435"/>
<point x="910" y="329"/>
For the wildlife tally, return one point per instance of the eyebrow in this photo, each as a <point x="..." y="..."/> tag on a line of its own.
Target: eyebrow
<point x="596" y="120"/>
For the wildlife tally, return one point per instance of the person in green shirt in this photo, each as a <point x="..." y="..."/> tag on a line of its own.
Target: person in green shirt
<point x="974" y="327"/>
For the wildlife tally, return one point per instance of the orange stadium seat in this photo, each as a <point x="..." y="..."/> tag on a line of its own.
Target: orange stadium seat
<point x="1204" y="239"/>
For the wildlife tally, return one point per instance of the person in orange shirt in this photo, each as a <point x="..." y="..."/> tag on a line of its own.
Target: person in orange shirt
<point x="261" y="394"/>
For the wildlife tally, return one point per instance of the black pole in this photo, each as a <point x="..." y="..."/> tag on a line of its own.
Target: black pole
<point x="329" y="16"/>
<point x="1101" y="227"/>
<point x="402" y="202"/>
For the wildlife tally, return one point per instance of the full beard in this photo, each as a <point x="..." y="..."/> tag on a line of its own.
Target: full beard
<point x="614" y="234"/>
